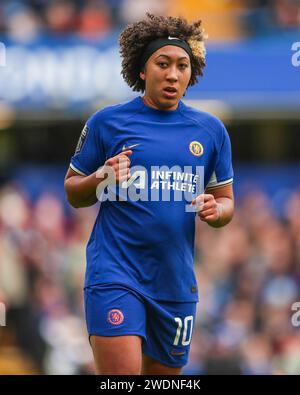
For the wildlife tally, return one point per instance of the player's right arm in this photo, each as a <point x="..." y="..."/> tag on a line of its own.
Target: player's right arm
<point x="81" y="189"/>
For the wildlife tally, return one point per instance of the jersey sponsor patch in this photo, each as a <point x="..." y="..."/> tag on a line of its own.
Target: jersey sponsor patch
<point x="115" y="317"/>
<point x="82" y="138"/>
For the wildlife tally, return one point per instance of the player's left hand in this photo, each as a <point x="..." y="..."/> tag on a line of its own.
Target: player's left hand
<point x="208" y="208"/>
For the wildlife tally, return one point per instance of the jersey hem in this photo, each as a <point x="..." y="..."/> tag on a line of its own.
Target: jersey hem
<point x="143" y="293"/>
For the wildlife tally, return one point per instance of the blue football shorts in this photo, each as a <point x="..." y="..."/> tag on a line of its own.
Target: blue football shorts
<point x="165" y="327"/>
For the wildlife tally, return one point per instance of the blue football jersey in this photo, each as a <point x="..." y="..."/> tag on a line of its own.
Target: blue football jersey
<point x="146" y="240"/>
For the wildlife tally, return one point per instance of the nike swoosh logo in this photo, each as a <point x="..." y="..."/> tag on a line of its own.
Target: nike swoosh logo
<point x="129" y="147"/>
<point x="173" y="38"/>
<point x="175" y="353"/>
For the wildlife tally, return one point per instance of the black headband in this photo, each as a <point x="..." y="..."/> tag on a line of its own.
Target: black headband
<point x="162" y="42"/>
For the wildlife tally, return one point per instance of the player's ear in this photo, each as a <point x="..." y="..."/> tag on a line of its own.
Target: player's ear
<point x="142" y="75"/>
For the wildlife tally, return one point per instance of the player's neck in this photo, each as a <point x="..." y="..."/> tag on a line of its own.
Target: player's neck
<point x="150" y="103"/>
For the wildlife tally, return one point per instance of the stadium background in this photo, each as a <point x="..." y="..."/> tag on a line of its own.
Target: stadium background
<point x="61" y="65"/>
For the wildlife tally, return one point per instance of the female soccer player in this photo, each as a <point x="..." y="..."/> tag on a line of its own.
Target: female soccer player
<point x="140" y="287"/>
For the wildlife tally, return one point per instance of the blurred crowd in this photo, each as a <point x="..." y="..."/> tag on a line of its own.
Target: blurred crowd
<point x="248" y="276"/>
<point x="90" y="19"/>
<point x="94" y="19"/>
<point x="42" y="263"/>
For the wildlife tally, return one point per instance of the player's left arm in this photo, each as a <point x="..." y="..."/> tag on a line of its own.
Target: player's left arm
<point x="216" y="205"/>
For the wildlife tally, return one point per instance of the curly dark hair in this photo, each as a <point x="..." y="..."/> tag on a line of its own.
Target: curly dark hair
<point x="136" y="36"/>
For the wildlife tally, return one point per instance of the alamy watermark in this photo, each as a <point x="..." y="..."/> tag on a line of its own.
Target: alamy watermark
<point x="2" y="314"/>
<point x="296" y="315"/>
<point x="2" y="55"/>
<point x="161" y="183"/>
<point x="296" y="55"/>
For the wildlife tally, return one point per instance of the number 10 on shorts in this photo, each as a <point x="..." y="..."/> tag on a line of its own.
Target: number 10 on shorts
<point x="187" y="330"/>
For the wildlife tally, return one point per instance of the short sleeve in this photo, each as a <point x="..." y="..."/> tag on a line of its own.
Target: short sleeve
<point x="89" y="154"/>
<point x="223" y="172"/>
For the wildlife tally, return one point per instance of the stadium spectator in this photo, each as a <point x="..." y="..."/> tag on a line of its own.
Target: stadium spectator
<point x="94" y="19"/>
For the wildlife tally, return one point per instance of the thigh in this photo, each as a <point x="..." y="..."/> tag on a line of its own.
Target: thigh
<point x="152" y="367"/>
<point x="116" y="323"/>
<point x="169" y="333"/>
<point x="117" y="355"/>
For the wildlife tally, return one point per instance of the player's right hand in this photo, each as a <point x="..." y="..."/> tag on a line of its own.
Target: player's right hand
<point x="118" y="167"/>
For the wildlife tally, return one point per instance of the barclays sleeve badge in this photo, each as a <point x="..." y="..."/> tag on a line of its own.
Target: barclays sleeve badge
<point x="82" y="138"/>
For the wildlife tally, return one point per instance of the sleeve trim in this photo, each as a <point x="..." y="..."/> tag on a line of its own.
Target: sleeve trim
<point x="77" y="170"/>
<point x="220" y="184"/>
